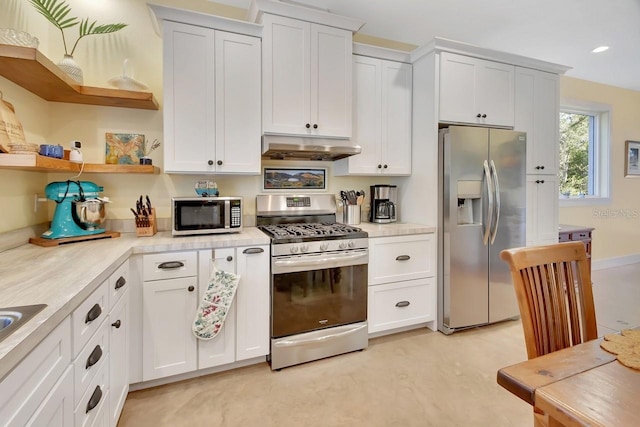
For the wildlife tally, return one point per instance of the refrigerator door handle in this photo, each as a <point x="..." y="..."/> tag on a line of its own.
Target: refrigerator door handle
<point x="496" y="187"/>
<point x="489" y="218"/>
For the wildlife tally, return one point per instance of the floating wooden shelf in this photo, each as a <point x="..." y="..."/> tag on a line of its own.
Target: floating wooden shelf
<point x="30" y="69"/>
<point x="38" y="163"/>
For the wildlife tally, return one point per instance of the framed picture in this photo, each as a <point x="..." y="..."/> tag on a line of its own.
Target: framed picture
<point x="294" y="179"/>
<point x="124" y="148"/>
<point x="631" y="165"/>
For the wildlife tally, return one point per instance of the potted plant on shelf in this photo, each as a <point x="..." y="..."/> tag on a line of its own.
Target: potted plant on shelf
<point x="57" y="12"/>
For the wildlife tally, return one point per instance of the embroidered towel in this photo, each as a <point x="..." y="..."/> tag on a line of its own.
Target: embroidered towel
<point x="215" y="304"/>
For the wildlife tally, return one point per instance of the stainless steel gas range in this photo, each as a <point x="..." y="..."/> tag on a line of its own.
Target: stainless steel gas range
<point x="318" y="279"/>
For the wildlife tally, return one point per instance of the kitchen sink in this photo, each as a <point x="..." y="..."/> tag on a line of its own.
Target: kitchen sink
<point x="12" y="318"/>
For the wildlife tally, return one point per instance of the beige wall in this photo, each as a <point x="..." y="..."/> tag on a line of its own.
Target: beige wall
<point x="617" y="225"/>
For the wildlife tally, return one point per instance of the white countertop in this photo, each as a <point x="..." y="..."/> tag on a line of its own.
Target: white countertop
<point x="64" y="276"/>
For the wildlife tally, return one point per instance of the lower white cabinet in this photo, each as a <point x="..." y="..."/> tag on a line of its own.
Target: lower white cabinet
<point x="170" y="305"/>
<point x="402" y="290"/>
<point x="32" y="392"/>
<point x="119" y="330"/>
<point x="168" y="346"/>
<point x="542" y="210"/>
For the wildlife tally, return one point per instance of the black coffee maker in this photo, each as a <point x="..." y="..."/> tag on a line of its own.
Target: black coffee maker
<point x="383" y="203"/>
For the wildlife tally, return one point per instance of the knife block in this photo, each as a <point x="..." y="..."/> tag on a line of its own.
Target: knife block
<point x="143" y="230"/>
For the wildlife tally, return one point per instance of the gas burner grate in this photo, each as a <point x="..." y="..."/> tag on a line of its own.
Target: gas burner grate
<point x="308" y="229"/>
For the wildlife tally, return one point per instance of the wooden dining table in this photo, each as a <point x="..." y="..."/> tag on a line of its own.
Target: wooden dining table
<point x="581" y="385"/>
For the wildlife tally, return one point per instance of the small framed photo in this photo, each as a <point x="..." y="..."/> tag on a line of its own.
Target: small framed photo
<point x="124" y="148"/>
<point x="294" y="179"/>
<point x="631" y="161"/>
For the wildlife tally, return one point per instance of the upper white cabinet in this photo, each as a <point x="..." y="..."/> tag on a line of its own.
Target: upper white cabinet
<point x="476" y="91"/>
<point x="211" y="100"/>
<point x="536" y="113"/>
<point x="306" y="72"/>
<point x="381" y="118"/>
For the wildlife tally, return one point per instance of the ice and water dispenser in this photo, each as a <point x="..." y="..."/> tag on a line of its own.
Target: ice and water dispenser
<point x="469" y="194"/>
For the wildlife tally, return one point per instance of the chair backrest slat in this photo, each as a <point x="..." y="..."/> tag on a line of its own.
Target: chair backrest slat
<point x="553" y="287"/>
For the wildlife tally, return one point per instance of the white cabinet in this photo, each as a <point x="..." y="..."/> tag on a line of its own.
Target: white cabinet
<point x="542" y="210"/>
<point x="119" y="330"/>
<point x="402" y="289"/>
<point x="30" y="394"/>
<point x="476" y="91"/>
<point x="306" y="72"/>
<point x="211" y="100"/>
<point x="169" y="302"/>
<point x="173" y="286"/>
<point x="252" y="326"/>
<point x="221" y="349"/>
<point x="381" y="118"/>
<point x="537" y="114"/>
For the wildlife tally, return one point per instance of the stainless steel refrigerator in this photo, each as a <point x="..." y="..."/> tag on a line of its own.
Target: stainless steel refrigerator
<point x="483" y="198"/>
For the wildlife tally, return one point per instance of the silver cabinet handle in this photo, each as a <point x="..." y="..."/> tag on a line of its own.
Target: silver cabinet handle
<point x="120" y="282"/>
<point x="403" y="258"/>
<point x="169" y="265"/>
<point x="253" y="251"/>
<point x="402" y="304"/>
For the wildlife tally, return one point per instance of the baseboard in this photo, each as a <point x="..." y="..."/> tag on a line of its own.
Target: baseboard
<point x="615" y="262"/>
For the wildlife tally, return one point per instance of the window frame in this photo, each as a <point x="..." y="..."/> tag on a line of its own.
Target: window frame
<point x="599" y="156"/>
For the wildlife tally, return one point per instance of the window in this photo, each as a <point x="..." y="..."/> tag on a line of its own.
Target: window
<point x="583" y="172"/>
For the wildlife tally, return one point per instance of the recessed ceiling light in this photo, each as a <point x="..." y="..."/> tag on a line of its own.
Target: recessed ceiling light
<point x="600" y="49"/>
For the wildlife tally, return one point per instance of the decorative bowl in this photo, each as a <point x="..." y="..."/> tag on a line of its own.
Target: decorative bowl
<point x="17" y="38"/>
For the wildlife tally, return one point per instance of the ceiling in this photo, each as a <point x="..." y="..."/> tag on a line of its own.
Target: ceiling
<point x="560" y="31"/>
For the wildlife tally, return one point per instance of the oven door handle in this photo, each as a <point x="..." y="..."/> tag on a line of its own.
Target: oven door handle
<point x="291" y="265"/>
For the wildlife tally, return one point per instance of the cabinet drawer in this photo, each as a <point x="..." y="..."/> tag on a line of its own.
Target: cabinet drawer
<point x="170" y="265"/>
<point x="94" y="398"/>
<point x="395" y="305"/>
<point x="564" y="237"/>
<point x="581" y="235"/>
<point x="24" y="389"/>
<point x="393" y="259"/>
<point x="118" y="283"/>
<point x="87" y="318"/>
<point x="90" y="360"/>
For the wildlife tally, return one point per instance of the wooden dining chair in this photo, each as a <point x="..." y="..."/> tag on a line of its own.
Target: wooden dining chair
<point x="553" y="288"/>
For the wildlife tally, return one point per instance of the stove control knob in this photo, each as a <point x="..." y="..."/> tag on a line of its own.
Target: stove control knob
<point x="293" y="249"/>
<point x="304" y="248"/>
<point x="324" y="246"/>
<point x="342" y="245"/>
<point x="351" y="244"/>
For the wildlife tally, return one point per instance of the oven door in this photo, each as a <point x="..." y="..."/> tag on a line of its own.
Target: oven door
<point x="317" y="291"/>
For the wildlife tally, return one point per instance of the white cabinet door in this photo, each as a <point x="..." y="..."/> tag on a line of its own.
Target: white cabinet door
<point x="306" y="71"/>
<point x="189" y="98"/>
<point x="331" y="77"/>
<point x="168" y="345"/>
<point x="57" y="408"/>
<point x="396" y="118"/>
<point x="118" y="357"/>
<point x="536" y="113"/>
<point x="221" y="349"/>
<point x="238" y="103"/>
<point x="252" y="298"/>
<point x="399" y="258"/>
<point x="212" y="100"/>
<point x="395" y="305"/>
<point x="382" y="118"/>
<point x="476" y="91"/>
<point x="542" y="210"/>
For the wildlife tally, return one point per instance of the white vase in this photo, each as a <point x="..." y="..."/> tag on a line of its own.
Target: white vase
<point x="71" y="67"/>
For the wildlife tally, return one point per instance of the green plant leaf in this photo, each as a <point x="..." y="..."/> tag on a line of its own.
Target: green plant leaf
<point x="87" y="30"/>
<point x="55" y="13"/>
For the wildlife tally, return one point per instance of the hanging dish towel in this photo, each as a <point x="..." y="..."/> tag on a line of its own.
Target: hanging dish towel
<point x="215" y="304"/>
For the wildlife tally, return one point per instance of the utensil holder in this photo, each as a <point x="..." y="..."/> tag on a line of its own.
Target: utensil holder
<point x="352" y="214"/>
<point x="144" y="230"/>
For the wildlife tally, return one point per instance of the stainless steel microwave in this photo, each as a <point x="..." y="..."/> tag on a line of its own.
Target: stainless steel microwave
<point x="205" y="215"/>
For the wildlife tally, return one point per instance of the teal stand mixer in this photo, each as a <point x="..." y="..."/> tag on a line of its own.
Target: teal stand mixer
<point x="79" y="210"/>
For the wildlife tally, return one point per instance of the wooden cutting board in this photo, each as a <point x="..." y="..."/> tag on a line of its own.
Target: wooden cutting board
<point x="57" y="242"/>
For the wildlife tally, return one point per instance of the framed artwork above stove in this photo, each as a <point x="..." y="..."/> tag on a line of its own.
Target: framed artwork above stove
<point x="294" y="179"/>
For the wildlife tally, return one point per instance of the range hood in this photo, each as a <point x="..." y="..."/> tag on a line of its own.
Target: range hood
<point x="280" y="147"/>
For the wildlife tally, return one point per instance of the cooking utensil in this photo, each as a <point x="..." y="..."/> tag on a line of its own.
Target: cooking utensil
<point x="89" y="213"/>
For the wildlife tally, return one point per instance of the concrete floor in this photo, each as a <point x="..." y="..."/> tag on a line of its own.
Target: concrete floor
<point x="417" y="378"/>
